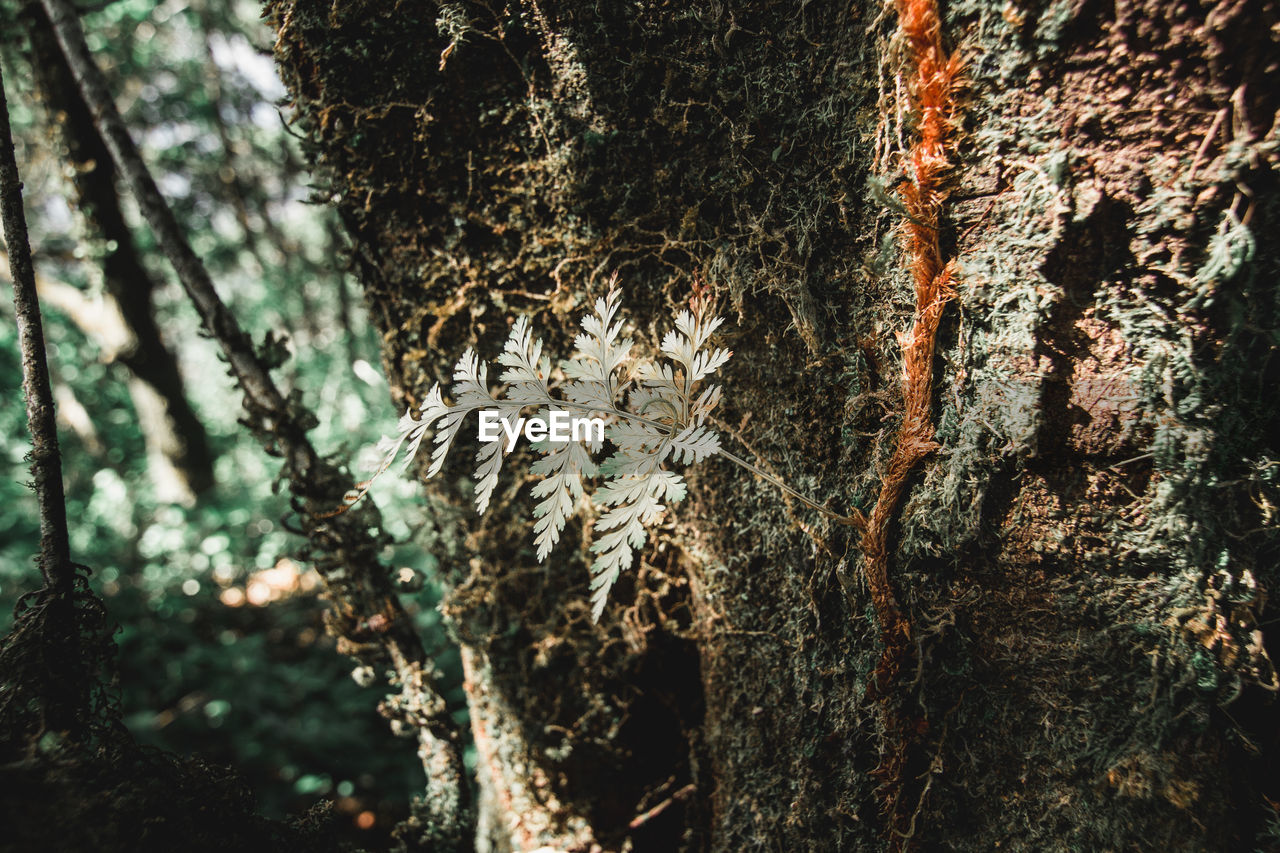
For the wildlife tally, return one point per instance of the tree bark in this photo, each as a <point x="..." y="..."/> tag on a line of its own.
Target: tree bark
<point x="1079" y="559"/>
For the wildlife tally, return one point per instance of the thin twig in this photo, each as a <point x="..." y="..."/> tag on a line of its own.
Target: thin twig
<point x="856" y="521"/>
<point x="661" y="807"/>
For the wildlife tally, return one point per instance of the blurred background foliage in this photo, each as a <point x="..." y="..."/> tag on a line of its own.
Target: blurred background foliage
<point x="222" y="649"/>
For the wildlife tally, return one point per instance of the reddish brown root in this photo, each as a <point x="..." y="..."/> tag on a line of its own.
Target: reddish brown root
<point x="932" y="90"/>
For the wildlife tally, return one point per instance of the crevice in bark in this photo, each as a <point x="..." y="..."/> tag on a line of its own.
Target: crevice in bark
<point x="1086" y="257"/>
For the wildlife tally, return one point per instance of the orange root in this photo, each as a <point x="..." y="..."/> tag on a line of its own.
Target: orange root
<point x="932" y="90"/>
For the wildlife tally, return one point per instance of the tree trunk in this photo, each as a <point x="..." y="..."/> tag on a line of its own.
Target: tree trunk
<point x="1079" y="565"/>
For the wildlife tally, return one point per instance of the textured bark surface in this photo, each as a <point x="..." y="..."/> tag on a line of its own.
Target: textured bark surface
<point x="1084" y="558"/>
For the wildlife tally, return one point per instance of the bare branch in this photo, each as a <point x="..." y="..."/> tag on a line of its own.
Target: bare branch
<point x="249" y="370"/>
<point x="180" y="458"/>
<point x="46" y="462"/>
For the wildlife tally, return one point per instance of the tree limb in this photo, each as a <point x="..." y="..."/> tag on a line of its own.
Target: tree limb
<point x="176" y="438"/>
<point x="264" y="397"/>
<point x="46" y="462"/>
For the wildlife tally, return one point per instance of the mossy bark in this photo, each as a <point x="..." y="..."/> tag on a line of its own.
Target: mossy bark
<point x="1083" y="561"/>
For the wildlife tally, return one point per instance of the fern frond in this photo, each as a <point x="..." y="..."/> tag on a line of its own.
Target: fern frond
<point x="470" y="392"/>
<point x="707" y="363"/>
<point x="488" y="465"/>
<point x="409" y="429"/>
<point x="691" y="334"/>
<point x="563" y="466"/>
<point x="664" y="421"/>
<point x="588" y="394"/>
<point x="601" y="352"/>
<point x="658" y="378"/>
<point x="636" y="438"/>
<point x="707" y="400"/>
<point x="636" y="502"/>
<point x="528" y="370"/>
<point x="693" y="444"/>
<point x="655" y="403"/>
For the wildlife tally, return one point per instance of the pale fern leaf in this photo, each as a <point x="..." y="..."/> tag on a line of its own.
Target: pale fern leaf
<point x="664" y="421"/>
<point x="563" y="466"/>
<point x="470" y="392"/>
<point x="619" y="492"/>
<point x="489" y="463"/>
<point x="669" y="486"/>
<point x="636" y="437"/>
<point x="600" y="349"/>
<point x="693" y="444"/>
<point x="489" y="459"/>
<point x="413" y="429"/>
<point x="589" y="394"/>
<point x="708" y="362"/>
<point x="675" y="346"/>
<point x="655" y="403"/>
<point x="707" y="400"/>
<point x="528" y="371"/>
<point x="660" y="380"/>
<point x="682" y="344"/>
<point x="623" y="530"/>
<point x="697" y="329"/>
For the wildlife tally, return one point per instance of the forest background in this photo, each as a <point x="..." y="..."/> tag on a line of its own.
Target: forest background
<point x="222" y="649"/>
<point x="1000" y="282"/>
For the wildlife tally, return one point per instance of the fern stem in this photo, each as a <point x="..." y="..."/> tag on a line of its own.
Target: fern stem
<point x="852" y="521"/>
